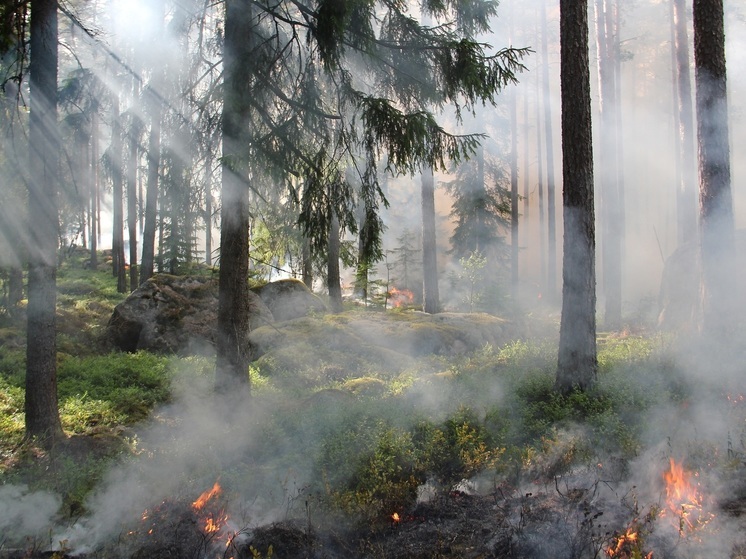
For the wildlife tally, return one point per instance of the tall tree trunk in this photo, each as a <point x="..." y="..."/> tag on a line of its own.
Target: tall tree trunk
<point x="526" y="161"/>
<point x="333" y="278"/>
<point x="234" y="350"/>
<point x="430" y="295"/>
<point x="132" y="160"/>
<point x="513" y="195"/>
<point x="151" y="189"/>
<point x="540" y="180"/>
<point x="117" y="205"/>
<point x="551" y="194"/>
<point x="719" y="283"/>
<point x="608" y="173"/>
<point x="41" y="407"/>
<point x="577" y="361"/>
<point x="93" y="212"/>
<point x="307" y="263"/>
<point x="687" y="190"/>
<point x="208" y="210"/>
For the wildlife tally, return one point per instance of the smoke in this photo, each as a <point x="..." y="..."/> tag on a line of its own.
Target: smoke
<point x="25" y="514"/>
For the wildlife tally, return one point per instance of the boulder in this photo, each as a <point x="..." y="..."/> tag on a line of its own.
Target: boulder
<point x="174" y="314"/>
<point x="289" y="298"/>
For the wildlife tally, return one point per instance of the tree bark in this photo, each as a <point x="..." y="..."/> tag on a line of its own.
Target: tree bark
<point x="117" y="204"/>
<point x="234" y="351"/>
<point x="551" y="289"/>
<point x="93" y="212"/>
<point x="715" y="197"/>
<point x="430" y="295"/>
<point x="41" y="406"/>
<point x="513" y="195"/>
<point x="333" y="278"/>
<point x="577" y="361"/>
<point x="132" y="160"/>
<point x="151" y="189"/>
<point x="608" y="174"/>
<point x="687" y="190"/>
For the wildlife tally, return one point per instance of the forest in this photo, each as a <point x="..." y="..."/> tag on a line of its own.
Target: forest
<point x="381" y="279"/>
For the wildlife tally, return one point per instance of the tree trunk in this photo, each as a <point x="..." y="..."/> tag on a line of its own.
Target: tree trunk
<point x="41" y="408"/>
<point x="234" y="351"/>
<point x="93" y="212"/>
<point x="430" y="295"/>
<point x="307" y="263"/>
<point x="719" y="283"/>
<point x="132" y="160"/>
<point x="117" y="204"/>
<point x="687" y="191"/>
<point x="540" y="182"/>
<point x="551" y="290"/>
<point x="513" y="195"/>
<point x="333" y="278"/>
<point x="608" y="173"/>
<point x="151" y="189"/>
<point x="577" y="362"/>
<point x="208" y="209"/>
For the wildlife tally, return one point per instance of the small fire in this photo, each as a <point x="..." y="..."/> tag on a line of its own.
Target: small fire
<point x="683" y="498"/>
<point x="400" y="297"/>
<point x="395" y="517"/>
<point x="206" y="496"/>
<point x="627" y="545"/>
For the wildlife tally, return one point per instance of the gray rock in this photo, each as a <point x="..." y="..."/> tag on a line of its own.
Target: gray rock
<point x="289" y="298"/>
<point x="174" y="314"/>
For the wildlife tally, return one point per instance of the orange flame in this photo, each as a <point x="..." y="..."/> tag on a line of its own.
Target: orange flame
<point x="206" y="496"/>
<point x="395" y="517"/>
<point x="683" y="498"/>
<point x="627" y="545"/>
<point x="400" y="297"/>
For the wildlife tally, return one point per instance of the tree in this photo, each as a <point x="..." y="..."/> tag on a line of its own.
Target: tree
<point x="293" y="106"/>
<point x="41" y="407"/>
<point x="430" y="295"/>
<point x="686" y="199"/>
<point x="717" y="249"/>
<point x="611" y="201"/>
<point x="577" y="361"/>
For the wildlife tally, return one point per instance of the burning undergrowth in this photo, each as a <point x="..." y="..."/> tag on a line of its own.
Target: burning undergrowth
<point x="473" y="457"/>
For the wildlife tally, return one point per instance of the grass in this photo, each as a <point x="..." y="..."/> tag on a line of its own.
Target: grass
<point x="342" y="432"/>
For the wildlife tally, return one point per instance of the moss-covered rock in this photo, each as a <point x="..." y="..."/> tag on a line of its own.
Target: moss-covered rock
<point x="289" y="298"/>
<point x="174" y="314"/>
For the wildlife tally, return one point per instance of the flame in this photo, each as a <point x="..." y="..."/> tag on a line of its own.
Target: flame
<point x="683" y="498"/>
<point x="400" y="297"/>
<point x="215" y="524"/>
<point x="627" y="545"/>
<point x="206" y="496"/>
<point x="395" y="517"/>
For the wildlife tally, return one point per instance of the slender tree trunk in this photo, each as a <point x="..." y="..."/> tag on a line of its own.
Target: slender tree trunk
<point x="333" y="278"/>
<point x="577" y="361"/>
<point x="551" y="194"/>
<point x="117" y="205"/>
<point x="526" y="161"/>
<point x="307" y="263"/>
<point x="41" y="408"/>
<point x="513" y="196"/>
<point x="430" y="296"/>
<point x="234" y="350"/>
<point x="608" y="174"/>
<point x="719" y="285"/>
<point x="151" y="189"/>
<point x="132" y="160"/>
<point x="93" y="212"/>
<point x="540" y="183"/>
<point x="687" y="189"/>
<point x="208" y="210"/>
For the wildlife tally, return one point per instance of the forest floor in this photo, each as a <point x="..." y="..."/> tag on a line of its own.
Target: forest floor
<point x="349" y="451"/>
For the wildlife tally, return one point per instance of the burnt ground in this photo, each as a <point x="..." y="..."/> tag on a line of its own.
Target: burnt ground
<point x="550" y="523"/>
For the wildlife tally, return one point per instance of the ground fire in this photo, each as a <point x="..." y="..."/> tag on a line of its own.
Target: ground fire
<point x="683" y="499"/>
<point x="400" y="297"/>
